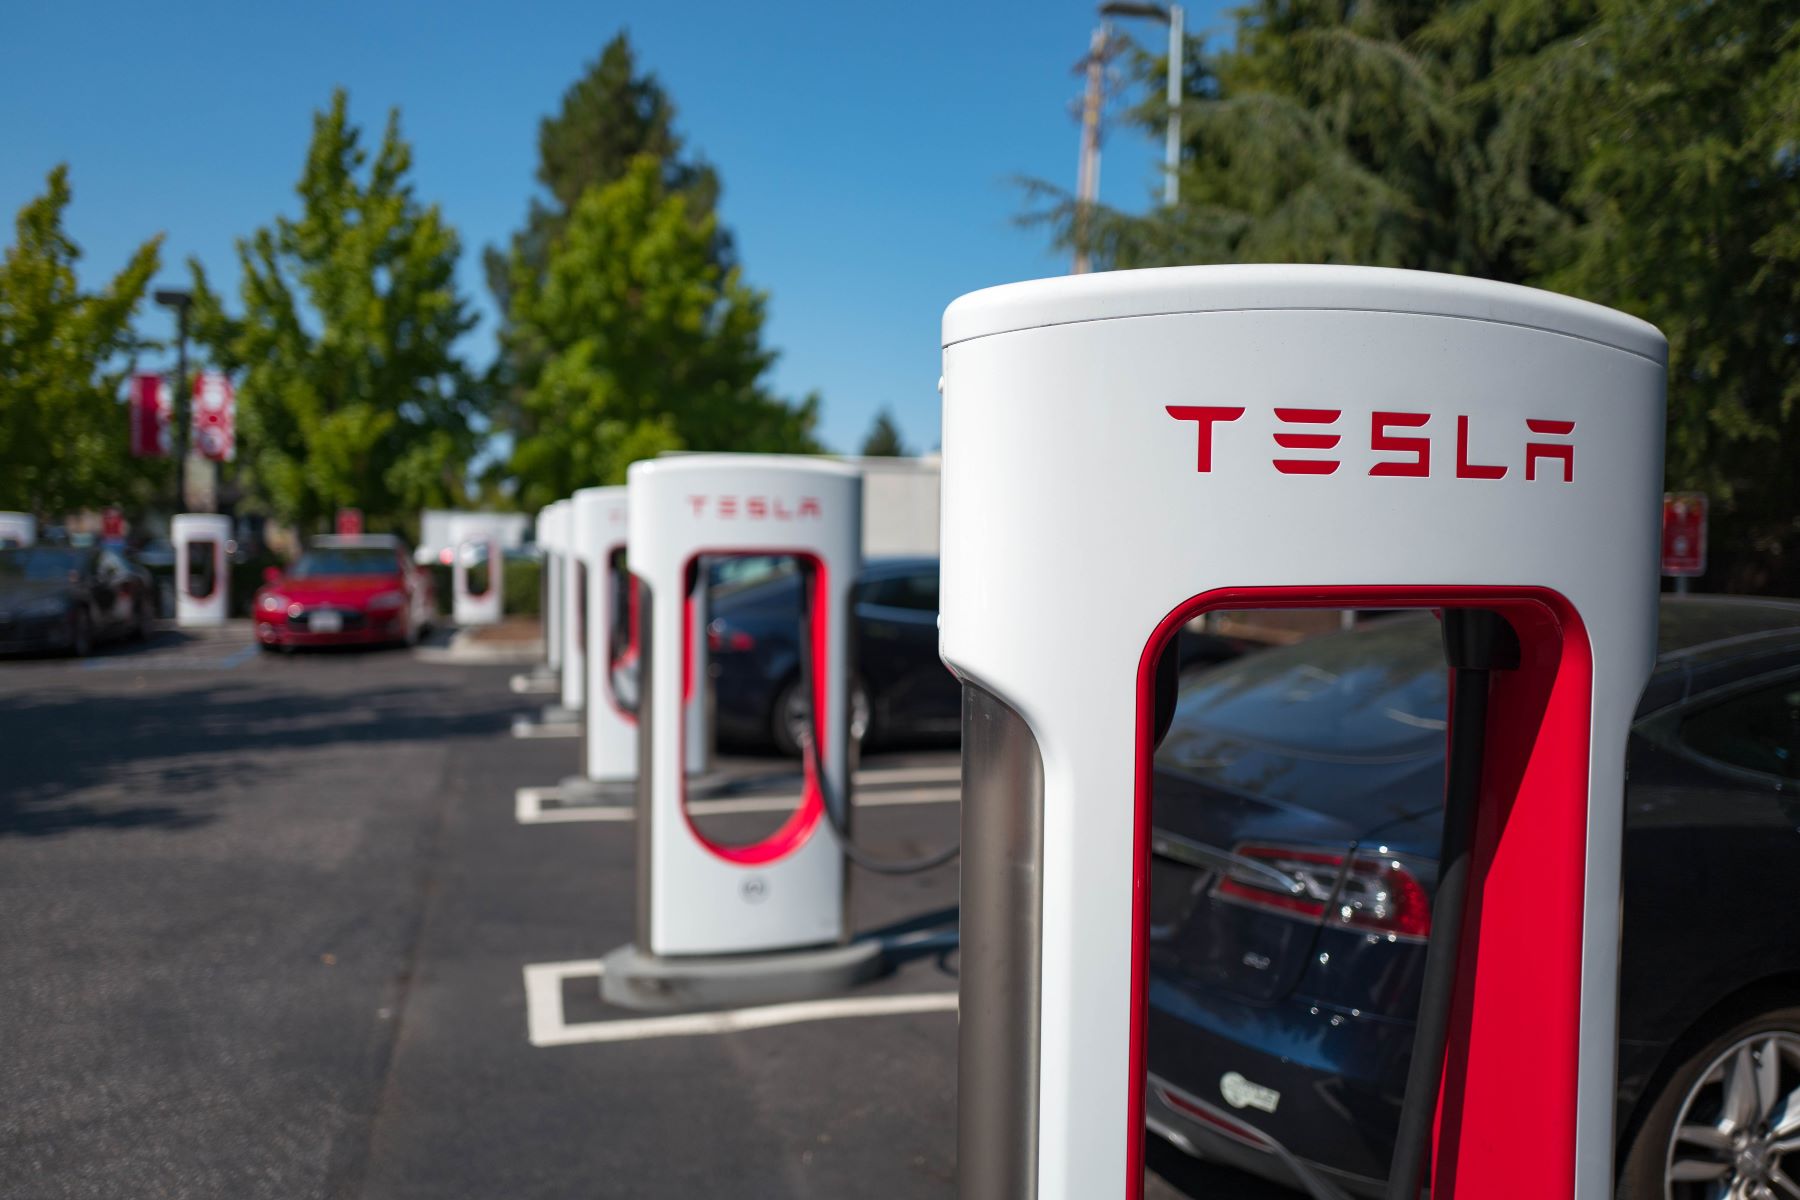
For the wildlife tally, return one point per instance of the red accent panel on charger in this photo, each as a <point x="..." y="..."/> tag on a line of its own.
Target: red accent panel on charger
<point x="1519" y="974"/>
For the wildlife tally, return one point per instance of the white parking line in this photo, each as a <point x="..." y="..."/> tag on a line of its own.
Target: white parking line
<point x="528" y="804"/>
<point x="545" y="1025"/>
<point x="525" y="728"/>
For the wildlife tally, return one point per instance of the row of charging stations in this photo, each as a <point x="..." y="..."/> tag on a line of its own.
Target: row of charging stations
<point x="715" y="922"/>
<point x="1187" y="440"/>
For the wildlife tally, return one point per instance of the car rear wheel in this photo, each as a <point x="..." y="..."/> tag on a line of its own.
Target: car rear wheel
<point x="1727" y="1123"/>
<point x="790" y="717"/>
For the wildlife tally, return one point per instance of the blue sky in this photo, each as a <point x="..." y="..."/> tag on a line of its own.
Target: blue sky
<point x="866" y="149"/>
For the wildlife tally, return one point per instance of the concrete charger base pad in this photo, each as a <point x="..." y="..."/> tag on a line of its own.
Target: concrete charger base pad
<point x="632" y="978"/>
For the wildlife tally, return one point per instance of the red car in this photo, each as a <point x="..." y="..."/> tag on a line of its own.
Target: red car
<point x="345" y="591"/>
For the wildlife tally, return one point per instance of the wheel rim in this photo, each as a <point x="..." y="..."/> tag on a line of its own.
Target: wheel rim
<point x="1738" y="1125"/>
<point x="796" y="717"/>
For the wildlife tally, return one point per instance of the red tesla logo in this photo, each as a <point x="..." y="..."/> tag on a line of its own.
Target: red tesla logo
<point x="757" y="508"/>
<point x="1314" y="431"/>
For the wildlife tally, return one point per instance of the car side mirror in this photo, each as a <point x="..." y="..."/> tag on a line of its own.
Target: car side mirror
<point x="271" y="574"/>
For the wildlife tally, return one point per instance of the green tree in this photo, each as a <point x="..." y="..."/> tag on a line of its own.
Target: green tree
<point x="1639" y="153"/>
<point x="350" y="392"/>
<point x="64" y="436"/>
<point x="883" y="438"/>
<point x="648" y="344"/>
<point x="1682" y="132"/>
<point x="608" y="118"/>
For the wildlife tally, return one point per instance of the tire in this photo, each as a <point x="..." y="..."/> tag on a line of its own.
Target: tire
<point x="140" y="621"/>
<point x="81" y="634"/>
<point x="1752" y="1067"/>
<point x="789" y="711"/>
<point x="781" y="721"/>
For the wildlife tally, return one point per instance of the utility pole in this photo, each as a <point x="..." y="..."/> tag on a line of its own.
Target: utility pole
<point x="1175" y="19"/>
<point x="1087" y="175"/>
<point x="180" y="302"/>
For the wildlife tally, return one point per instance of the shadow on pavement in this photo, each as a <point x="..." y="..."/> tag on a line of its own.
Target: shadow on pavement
<point x="189" y="740"/>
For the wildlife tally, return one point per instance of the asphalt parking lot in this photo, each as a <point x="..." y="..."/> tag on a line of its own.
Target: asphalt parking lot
<point x="274" y="927"/>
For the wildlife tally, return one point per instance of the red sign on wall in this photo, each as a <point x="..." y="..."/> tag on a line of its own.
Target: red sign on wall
<point x="149" y="407"/>
<point x="215" y="417"/>
<point x="1684" y="533"/>
<point x="349" y="522"/>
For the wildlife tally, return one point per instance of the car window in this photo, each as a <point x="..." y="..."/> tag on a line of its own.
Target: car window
<point x="39" y="564"/>
<point x="1380" y="690"/>
<point x="1754" y="731"/>
<point x="327" y="561"/>
<point x="916" y="590"/>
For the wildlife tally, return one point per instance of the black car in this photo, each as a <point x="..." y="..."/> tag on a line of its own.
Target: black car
<point x="70" y="598"/>
<point x="1297" y="808"/>
<point x="902" y="691"/>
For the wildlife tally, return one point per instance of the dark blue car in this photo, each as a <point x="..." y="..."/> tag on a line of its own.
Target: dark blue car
<point x="901" y="690"/>
<point x="1296" y="819"/>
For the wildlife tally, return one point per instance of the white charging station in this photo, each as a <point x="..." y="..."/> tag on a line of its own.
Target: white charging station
<point x="1252" y="437"/>
<point x="545" y="677"/>
<point x="550" y="539"/>
<point x="476" y="537"/>
<point x="202" y="568"/>
<point x="17" y="529"/>
<point x="737" y="923"/>
<point x="609" y="723"/>
<point x="574" y="602"/>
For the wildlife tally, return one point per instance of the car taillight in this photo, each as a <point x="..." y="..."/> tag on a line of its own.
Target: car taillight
<point x="1376" y="893"/>
<point x="720" y="636"/>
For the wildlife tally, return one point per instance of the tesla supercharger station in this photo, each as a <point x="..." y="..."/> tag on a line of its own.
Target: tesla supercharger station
<point x="1253" y="437"/>
<point x="609" y="722"/>
<point x="551" y="538"/>
<point x="721" y="923"/>
<point x="472" y="535"/>
<point x="17" y="529"/>
<point x="202" y="571"/>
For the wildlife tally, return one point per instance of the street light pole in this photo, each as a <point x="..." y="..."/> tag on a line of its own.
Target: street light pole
<point x="1087" y="174"/>
<point x="180" y="302"/>
<point x="1175" y="18"/>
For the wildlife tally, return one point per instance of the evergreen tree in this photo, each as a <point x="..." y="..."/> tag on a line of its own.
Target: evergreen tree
<point x="883" y="438"/>
<point x="64" y="435"/>
<point x="609" y="118"/>
<point x="1639" y="153"/>
<point x="350" y="391"/>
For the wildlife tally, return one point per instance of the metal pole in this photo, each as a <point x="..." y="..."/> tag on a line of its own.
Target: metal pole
<point x="180" y="401"/>
<point x="1172" y="148"/>
<point x="1087" y="177"/>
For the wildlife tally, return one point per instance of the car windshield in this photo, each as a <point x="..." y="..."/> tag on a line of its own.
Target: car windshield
<point x="39" y="564"/>
<point x="344" y="560"/>
<point x="1377" y="692"/>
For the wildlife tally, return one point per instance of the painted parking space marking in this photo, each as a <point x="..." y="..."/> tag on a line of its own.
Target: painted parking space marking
<point x="546" y="1026"/>
<point x="537" y="805"/>
<point x="525" y="727"/>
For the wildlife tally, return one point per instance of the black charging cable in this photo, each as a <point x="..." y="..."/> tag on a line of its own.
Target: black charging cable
<point x="1477" y="644"/>
<point x="838" y="815"/>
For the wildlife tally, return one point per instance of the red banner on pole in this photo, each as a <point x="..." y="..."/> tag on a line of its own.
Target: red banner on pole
<point x="349" y="522"/>
<point x="215" y="416"/>
<point x="1684" y="533"/>
<point x="149" y="408"/>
